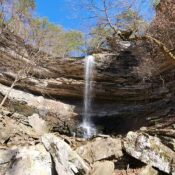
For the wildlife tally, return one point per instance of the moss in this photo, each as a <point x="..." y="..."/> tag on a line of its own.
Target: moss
<point x="157" y="149"/>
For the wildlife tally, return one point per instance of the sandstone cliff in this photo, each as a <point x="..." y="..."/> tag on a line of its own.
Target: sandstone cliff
<point x="123" y="100"/>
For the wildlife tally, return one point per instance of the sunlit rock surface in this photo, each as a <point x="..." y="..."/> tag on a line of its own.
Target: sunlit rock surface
<point x="30" y="161"/>
<point x="151" y="151"/>
<point x="103" y="168"/>
<point x="148" y="170"/>
<point x="101" y="149"/>
<point x="67" y="161"/>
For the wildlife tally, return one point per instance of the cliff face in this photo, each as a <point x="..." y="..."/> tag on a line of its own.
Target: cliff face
<point x="50" y="99"/>
<point x="64" y="78"/>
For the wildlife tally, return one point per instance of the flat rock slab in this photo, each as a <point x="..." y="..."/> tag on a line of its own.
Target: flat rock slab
<point x="40" y="103"/>
<point x="151" y="151"/>
<point x="67" y="161"/>
<point x="101" y="148"/>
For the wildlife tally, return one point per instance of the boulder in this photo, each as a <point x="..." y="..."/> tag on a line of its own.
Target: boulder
<point x="34" y="160"/>
<point x="38" y="124"/>
<point x="148" y="170"/>
<point x="15" y="130"/>
<point x="151" y="151"/>
<point x="67" y="161"/>
<point x="103" y="168"/>
<point x="101" y="148"/>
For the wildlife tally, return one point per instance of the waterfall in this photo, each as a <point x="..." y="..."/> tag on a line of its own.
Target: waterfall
<point x="87" y="125"/>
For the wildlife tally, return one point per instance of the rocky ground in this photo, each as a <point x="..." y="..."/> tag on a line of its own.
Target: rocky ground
<point x="27" y="148"/>
<point x="39" y="124"/>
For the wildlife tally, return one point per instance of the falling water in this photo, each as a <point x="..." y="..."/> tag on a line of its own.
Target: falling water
<point x="89" y="129"/>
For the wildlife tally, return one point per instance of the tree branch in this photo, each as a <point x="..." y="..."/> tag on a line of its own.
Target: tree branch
<point x="161" y="45"/>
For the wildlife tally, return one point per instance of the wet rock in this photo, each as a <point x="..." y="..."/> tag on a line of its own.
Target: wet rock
<point x="148" y="170"/>
<point x="67" y="161"/>
<point x="103" y="168"/>
<point x="101" y="148"/>
<point x="34" y="160"/>
<point x="151" y="151"/>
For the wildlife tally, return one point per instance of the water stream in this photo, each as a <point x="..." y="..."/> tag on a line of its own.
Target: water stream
<point x="87" y="125"/>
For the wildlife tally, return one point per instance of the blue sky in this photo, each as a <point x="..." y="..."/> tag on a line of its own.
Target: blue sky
<point x="61" y="12"/>
<point x="71" y="16"/>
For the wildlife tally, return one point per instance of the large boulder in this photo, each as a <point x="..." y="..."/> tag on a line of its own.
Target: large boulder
<point x="34" y="160"/>
<point x="101" y="148"/>
<point x="151" y="151"/>
<point x="67" y="161"/>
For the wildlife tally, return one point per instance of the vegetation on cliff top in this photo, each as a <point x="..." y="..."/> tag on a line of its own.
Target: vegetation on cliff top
<point x="18" y="16"/>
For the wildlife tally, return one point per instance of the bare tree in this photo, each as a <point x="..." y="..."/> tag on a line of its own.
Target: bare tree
<point x="127" y="25"/>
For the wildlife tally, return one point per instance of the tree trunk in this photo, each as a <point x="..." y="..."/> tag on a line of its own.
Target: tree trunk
<point x="6" y="96"/>
<point x="161" y="45"/>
